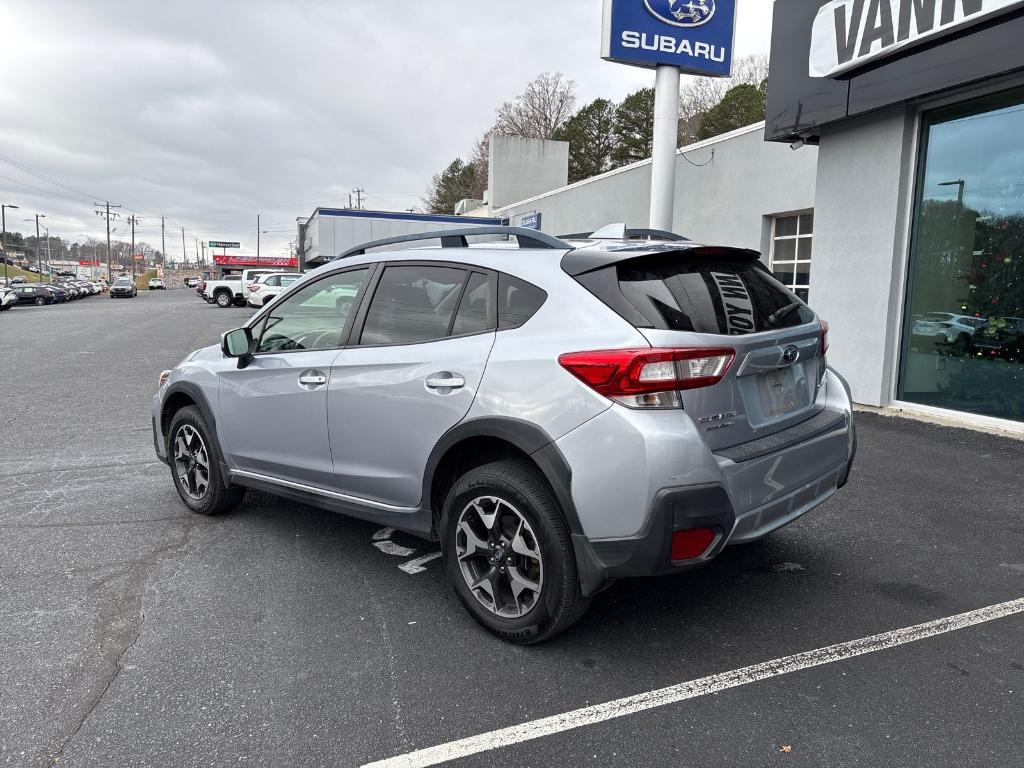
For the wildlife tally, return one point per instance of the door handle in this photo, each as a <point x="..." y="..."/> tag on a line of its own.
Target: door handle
<point x="312" y="379"/>
<point x="446" y="381"/>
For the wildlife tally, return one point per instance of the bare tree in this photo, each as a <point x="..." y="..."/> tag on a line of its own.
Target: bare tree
<point x="540" y="110"/>
<point x="480" y="161"/>
<point x="699" y="95"/>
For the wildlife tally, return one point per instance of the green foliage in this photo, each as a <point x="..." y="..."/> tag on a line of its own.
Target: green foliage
<point x="742" y="105"/>
<point x="454" y="183"/>
<point x="591" y="137"/>
<point x="634" y="128"/>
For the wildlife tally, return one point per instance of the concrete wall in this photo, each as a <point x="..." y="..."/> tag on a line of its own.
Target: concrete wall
<point x="860" y="222"/>
<point x="520" y="168"/>
<point x="725" y="187"/>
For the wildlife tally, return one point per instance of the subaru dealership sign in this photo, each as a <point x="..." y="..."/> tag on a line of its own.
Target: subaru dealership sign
<point x="849" y="33"/>
<point x="694" y="35"/>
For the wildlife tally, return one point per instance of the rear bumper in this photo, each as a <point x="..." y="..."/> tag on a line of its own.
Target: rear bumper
<point x="743" y="493"/>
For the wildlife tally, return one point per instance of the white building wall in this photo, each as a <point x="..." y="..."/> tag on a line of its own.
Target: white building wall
<point x="725" y="189"/>
<point x="520" y="167"/>
<point x="860" y="245"/>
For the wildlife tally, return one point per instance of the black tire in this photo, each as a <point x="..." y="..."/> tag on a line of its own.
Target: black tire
<point x="240" y="302"/>
<point x="560" y="602"/>
<point x="218" y="497"/>
<point x="223" y="299"/>
<point x="40" y="301"/>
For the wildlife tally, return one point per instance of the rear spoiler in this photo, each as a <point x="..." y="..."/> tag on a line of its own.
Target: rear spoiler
<point x="583" y="260"/>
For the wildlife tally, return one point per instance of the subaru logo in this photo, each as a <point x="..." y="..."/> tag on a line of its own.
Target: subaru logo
<point x="682" y="13"/>
<point x="790" y="354"/>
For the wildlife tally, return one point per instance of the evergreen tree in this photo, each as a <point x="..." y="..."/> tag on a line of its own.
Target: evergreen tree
<point x="634" y="128"/>
<point x="591" y="137"/>
<point x="742" y="105"/>
<point x="454" y="183"/>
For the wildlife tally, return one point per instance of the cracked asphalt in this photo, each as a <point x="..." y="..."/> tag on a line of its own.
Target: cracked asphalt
<point x="135" y="634"/>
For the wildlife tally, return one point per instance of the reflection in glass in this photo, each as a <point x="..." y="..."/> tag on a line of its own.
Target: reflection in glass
<point x="964" y="324"/>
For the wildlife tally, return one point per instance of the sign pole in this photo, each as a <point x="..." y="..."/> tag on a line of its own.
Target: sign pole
<point x="663" y="160"/>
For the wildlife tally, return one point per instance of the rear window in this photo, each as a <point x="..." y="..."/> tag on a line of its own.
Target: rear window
<point x="700" y="294"/>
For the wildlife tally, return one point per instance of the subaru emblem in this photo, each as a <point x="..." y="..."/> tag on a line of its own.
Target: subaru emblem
<point x="790" y="354"/>
<point x="682" y="13"/>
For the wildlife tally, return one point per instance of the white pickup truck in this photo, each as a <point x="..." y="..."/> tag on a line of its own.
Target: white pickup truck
<point x="229" y="290"/>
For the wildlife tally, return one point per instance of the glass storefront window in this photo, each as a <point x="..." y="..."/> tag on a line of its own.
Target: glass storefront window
<point x="963" y="338"/>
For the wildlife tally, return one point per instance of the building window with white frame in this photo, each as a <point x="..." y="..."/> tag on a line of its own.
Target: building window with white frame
<point x="791" y="251"/>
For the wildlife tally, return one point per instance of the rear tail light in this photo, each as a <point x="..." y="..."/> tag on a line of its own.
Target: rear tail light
<point x="254" y="287"/>
<point x="691" y="543"/>
<point x="648" y="378"/>
<point x="824" y="337"/>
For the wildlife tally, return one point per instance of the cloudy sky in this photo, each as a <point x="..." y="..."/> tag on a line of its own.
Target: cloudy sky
<point x="212" y="112"/>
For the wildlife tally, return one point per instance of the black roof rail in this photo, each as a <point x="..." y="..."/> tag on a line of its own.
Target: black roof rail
<point x="456" y="238"/>
<point x="634" y="234"/>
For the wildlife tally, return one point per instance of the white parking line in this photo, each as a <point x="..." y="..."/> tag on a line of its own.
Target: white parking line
<point x="690" y="690"/>
<point x="416" y="566"/>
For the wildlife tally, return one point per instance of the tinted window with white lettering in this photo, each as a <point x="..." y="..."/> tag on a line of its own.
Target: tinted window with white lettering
<point x="708" y="295"/>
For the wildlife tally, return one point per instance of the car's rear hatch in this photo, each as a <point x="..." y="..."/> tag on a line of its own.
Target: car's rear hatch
<point x="694" y="297"/>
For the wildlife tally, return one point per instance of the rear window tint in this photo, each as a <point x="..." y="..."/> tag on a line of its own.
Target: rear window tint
<point x="517" y="301"/>
<point x="702" y="295"/>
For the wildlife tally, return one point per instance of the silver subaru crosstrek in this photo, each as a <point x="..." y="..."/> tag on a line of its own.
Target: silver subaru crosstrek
<point x="558" y="415"/>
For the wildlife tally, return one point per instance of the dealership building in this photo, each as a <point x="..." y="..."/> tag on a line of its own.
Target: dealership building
<point x="886" y="188"/>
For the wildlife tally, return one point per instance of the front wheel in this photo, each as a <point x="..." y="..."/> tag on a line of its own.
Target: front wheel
<point x="40" y="301"/>
<point x="195" y="466"/>
<point x="508" y="553"/>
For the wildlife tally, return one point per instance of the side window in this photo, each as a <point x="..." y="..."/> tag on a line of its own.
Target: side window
<point x="474" y="309"/>
<point x="517" y="301"/>
<point x="412" y="304"/>
<point x="313" y="317"/>
<point x="273" y="281"/>
<point x="285" y="280"/>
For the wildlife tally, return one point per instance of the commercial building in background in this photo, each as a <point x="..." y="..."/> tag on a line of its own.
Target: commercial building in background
<point x="331" y="231"/>
<point x="917" y="109"/>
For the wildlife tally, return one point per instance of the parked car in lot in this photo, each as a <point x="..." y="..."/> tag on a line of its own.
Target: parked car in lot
<point x="8" y="298"/>
<point x="156" y="284"/>
<point x="58" y="291"/>
<point x="946" y="331"/>
<point x="192" y="282"/>
<point x="123" y="287"/>
<point x="18" y="281"/>
<point x="224" y="292"/>
<point x="558" y="416"/>
<point x="250" y="276"/>
<point x="266" y="287"/>
<point x="34" y="294"/>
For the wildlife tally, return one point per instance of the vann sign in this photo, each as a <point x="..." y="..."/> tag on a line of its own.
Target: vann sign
<point x="850" y="33"/>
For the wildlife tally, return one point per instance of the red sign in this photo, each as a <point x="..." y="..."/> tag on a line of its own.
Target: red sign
<point x="139" y="257"/>
<point x="252" y="261"/>
<point x="87" y="263"/>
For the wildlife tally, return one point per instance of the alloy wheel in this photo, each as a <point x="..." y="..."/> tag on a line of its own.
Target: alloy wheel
<point x="499" y="556"/>
<point x="191" y="462"/>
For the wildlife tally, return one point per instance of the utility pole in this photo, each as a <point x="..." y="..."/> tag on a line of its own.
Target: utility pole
<point x="184" y="256"/>
<point x="133" y="220"/>
<point x="204" y="252"/>
<point x="3" y="216"/>
<point x="197" y="253"/>
<point x="107" y="214"/>
<point x="358" y="192"/>
<point x="257" y="239"/>
<point x="163" y="245"/>
<point x="39" y="261"/>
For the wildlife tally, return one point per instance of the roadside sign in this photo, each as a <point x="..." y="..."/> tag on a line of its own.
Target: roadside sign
<point x="694" y="35"/>
<point x="139" y="257"/>
<point x="224" y="244"/>
<point x="530" y="220"/>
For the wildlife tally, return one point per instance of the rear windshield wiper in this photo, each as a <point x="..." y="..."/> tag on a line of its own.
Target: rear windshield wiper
<point x="778" y="314"/>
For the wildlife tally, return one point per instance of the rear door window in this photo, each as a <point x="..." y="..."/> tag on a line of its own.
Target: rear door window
<point x="699" y="294"/>
<point x="413" y="303"/>
<point x="474" y="313"/>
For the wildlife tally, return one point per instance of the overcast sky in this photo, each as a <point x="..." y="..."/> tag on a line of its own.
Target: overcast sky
<point x="211" y="112"/>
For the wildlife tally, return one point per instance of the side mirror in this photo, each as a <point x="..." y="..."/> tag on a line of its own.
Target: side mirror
<point x="238" y="343"/>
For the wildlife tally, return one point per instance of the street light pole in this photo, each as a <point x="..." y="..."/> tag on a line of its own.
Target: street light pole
<point x="257" y="239"/>
<point x="3" y="242"/>
<point x="39" y="260"/>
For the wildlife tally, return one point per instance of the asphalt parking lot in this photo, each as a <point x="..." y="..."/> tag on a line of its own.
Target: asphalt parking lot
<point x="135" y="634"/>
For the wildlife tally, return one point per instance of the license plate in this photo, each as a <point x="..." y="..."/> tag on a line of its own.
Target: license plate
<point x="778" y="391"/>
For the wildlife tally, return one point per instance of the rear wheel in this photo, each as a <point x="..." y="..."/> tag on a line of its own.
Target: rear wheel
<point x="223" y="299"/>
<point x="195" y="465"/>
<point x="508" y="553"/>
<point x="40" y="301"/>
